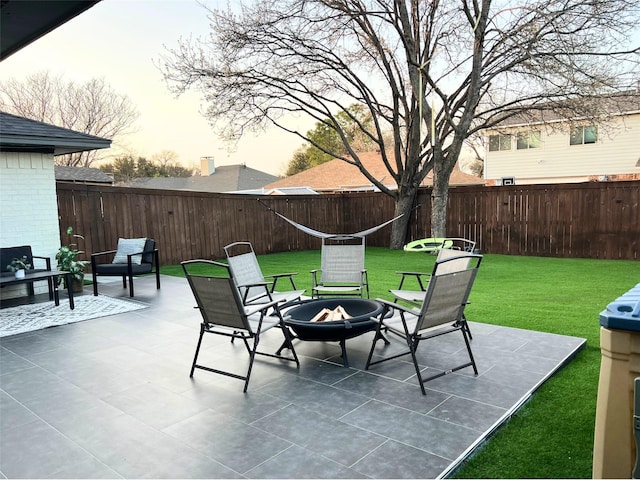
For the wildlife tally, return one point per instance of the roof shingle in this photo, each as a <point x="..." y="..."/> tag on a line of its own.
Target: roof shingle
<point x="338" y="175"/>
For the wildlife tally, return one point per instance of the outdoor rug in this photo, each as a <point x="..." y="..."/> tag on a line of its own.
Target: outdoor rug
<point x="26" y="318"/>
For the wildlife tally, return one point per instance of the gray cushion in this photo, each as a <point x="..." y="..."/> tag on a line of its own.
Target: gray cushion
<point x="127" y="246"/>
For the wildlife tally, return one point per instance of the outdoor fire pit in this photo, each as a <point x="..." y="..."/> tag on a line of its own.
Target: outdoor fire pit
<point x="299" y="319"/>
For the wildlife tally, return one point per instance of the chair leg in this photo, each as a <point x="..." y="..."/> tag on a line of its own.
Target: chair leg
<point x="467" y="336"/>
<point x="252" y="356"/>
<point x="195" y="357"/>
<point x="413" y="344"/>
<point x="95" y="283"/>
<point x="288" y="342"/>
<point x="124" y="281"/>
<point x="465" y="325"/>
<point x="131" y="286"/>
<point x="378" y="335"/>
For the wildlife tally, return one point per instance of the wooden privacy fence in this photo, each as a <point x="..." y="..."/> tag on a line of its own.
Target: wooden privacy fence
<point x="588" y="220"/>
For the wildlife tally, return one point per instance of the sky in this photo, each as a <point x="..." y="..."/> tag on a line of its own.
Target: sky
<point x="119" y="40"/>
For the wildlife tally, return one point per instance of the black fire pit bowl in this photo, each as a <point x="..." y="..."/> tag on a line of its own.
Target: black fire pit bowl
<point x="360" y="309"/>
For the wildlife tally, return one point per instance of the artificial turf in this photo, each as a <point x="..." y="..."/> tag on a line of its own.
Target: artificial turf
<point x="551" y="436"/>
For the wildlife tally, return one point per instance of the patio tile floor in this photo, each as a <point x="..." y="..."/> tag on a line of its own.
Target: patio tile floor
<point x="112" y="398"/>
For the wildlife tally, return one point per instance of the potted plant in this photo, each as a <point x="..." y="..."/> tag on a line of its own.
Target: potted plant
<point x="67" y="262"/>
<point x="18" y="266"/>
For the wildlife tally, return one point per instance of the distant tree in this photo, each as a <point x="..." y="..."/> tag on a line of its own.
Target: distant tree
<point x="122" y="168"/>
<point x="127" y="168"/>
<point x="165" y="157"/>
<point x="300" y="161"/>
<point x="176" y="170"/>
<point x="325" y="143"/>
<point x="92" y="107"/>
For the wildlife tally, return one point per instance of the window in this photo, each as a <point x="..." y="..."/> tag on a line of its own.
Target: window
<point x="499" y="142"/>
<point x="528" y="140"/>
<point x="583" y="135"/>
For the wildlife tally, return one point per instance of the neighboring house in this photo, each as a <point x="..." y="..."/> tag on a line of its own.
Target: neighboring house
<point x="86" y="175"/>
<point x="228" y="178"/>
<point x="339" y="176"/>
<point x="546" y="147"/>
<point x="28" y="204"/>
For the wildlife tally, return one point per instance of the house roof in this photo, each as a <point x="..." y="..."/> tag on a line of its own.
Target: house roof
<point x="228" y="178"/>
<point x="23" y="134"/>
<point x="338" y="175"/>
<point x="22" y="22"/>
<point x="623" y="103"/>
<point x="82" y="175"/>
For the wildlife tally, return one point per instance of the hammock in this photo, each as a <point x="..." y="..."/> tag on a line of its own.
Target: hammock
<point x="335" y="236"/>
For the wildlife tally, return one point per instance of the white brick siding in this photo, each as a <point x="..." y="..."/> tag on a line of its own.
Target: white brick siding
<point x="29" y="208"/>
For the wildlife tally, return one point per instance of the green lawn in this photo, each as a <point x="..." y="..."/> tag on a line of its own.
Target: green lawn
<point x="552" y="435"/>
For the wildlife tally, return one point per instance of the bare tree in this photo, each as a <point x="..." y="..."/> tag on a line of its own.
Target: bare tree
<point x="92" y="107"/>
<point x="433" y="72"/>
<point x="165" y="158"/>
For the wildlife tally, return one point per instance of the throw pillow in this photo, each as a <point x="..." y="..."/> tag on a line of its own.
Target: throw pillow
<point x="127" y="246"/>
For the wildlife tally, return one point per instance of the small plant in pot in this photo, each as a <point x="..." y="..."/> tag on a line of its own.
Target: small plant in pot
<point x="67" y="262"/>
<point x="18" y="266"/>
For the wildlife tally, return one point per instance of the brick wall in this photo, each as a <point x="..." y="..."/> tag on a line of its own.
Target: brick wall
<point x="29" y="208"/>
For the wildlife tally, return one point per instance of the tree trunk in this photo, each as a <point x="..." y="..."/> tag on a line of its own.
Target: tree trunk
<point x="439" y="199"/>
<point x="399" y="228"/>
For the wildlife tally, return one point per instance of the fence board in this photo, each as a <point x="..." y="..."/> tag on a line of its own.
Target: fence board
<point x="588" y="220"/>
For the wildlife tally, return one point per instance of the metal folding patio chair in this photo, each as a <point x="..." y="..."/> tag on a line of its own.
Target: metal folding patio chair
<point x="442" y="312"/>
<point x="342" y="271"/>
<point x="224" y="313"/>
<point x="448" y="260"/>
<point x="246" y="271"/>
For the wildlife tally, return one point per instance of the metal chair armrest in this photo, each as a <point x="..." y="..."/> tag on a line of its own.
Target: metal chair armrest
<point x="47" y="261"/>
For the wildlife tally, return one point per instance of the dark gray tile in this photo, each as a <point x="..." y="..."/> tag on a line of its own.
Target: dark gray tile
<point x="245" y="407"/>
<point x="554" y="347"/>
<point x="323" y="372"/>
<point x="12" y="413"/>
<point x="402" y="394"/>
<point x="234" y="444"/>
<point x="426" y="433"/>
<point x="27" y="344"/>
<point x="396" y="460"/>
<point x="333" y="402"/>
<point x="91" y="468"/>
<point x="297" y="462"/>
<point x="134" y="449"/>
<point x="154" y="405"/>
<point x="477" y="389"/>
<point x="487" y="358"/>
<point x="46" y="394"/>
<point x="467" y="413"/>
<point x="10" y="362"/>
<point x="328" y="437"/>
<point x="37" y="450"/>
<point x="512" y="376"/>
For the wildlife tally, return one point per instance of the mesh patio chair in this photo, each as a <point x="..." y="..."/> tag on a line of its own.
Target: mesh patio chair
<point x="442" y="312"/>
<point x="133" y="257"/>
<point x="246" y="271"/>
<point x="224" y="313"/>
<point x="448" y="261"/>
<point x="342" y="271"/>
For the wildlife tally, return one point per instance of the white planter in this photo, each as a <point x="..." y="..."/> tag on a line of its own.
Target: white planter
<point x="20" y="273"/>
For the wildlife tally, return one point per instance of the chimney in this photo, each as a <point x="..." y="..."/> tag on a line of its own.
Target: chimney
<point x="207" y="166"/>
